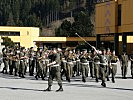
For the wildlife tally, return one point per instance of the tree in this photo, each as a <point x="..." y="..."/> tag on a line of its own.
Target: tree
<point x="8" y="42"/>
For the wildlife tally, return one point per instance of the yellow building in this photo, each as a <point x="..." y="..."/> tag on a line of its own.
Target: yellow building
<point x="115" y="17"/>
<point x="30" y="37"/>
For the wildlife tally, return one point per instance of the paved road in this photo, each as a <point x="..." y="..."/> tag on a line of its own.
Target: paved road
<point x="15" y="88"/>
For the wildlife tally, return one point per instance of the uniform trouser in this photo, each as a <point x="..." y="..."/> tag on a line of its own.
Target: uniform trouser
<point x="113" y="69"/>
<point x="91" y="69"/>
<point x="10" y="66"/>
<point x="85" y="70"/>
<point x="124" y="70"/>
<point x="107" y="71"/>
<point x="45" y="68"/>
<point x="15" y="65"/>
<point x="22" y="68"/>
<point x="31" y="66"/>
<point x="96" y="70"/>
<point x="132" y="68"/>
<point x="102" y="72"/>
<point x="63" y="65"/>
<point x="78" y="67"/>
<point x="39" y="69"/>
<point x="5" y="65"/>
<point x="55" y="73"/>
<point x="69" y="69"/>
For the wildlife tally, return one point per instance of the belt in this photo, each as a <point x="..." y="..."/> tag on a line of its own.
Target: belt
<point x="56" y="65"/>
<point x="113" y="63"/>
<point x="85" y="63"/>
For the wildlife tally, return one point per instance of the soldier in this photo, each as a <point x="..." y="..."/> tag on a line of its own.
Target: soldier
<point x="113" y="65"/>
<point x="11" y="52"/>
<point x="78" y="63"/>
<point x="96" y="62"/>
<point x="5" y="61"/>
<point x="91" y="64"/>
<point x="55" y="69"/>
<point x="84" y="65"/>
<point x="70" y="65"/>
<point x="15" y="61"/>
<point x="32" y="61"/>
<point x="124" y="62"/>
<point x="131" y="58"/>
<point x="64" y="65"/>
<point x="108" y="70"/>
<point x="22" y="62"/>
<point x="103" y="64"/>
<point x="39" y="64"/>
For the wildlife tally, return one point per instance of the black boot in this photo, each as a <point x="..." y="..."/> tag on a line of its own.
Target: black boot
<point x="97" y="80"/>
<point x="48" y="89"/>
<point x="84" y="80"/>
<point x="108" y="79"/>
<point x="60" y="89"/>
<point x="113" y="80"/>
<point x="69" y="80"/>
<point x="103" y="84"/>
<point x="36" y="77"/>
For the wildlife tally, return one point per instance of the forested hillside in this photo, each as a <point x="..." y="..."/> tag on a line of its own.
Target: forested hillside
<point x="40" y="13"/>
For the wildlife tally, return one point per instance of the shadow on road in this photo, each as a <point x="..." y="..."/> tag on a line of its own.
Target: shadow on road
<point x="14" y="88"/>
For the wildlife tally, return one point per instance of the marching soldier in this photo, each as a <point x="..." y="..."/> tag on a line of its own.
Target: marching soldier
<point x="55" y="69"/>
<point x="70" y="65"/>
<point x="22" y="62"/>
<point x="15" y="61"/>
<point x="84" y="65"/>
<point x="39" y="64"/>
<point x="103" y="64"/>
<point x="5" y="61"/>
<point x="32" y="61"/>
<point x="78" y="63"/>
<point x="131" y="58"/>
<point x="124" y="62"/>
<point x="108" y="70"/>
<point x="113" y="65"/>
<point x="96" y="62"/>
<point x="91" y="64"/>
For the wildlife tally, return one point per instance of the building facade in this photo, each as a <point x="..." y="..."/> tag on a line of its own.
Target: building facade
<point x="115" y="17"/>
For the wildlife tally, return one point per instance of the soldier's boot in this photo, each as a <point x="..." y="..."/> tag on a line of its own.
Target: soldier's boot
<point x="103" y="84"/>
<point x="48" y="89"/>
<point x="15" y="74"/>
<point x="97" y="80"/>
<point x="36" y="77"/>
<point x="113" y="80"/>
<point x="84" y="80"/>
<point x="23" y="76"/>
<point x="68" y="80"/>
<point x="42" y="77"/>
<point x="108" y="78"/>
<point x="60" y="89"/>
<point x="6" y="71"/>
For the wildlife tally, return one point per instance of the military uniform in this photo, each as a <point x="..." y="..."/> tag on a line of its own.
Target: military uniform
<point x="131" y="58"/>
<point x="124" y="59"/>
<point x="103" y="64"/>
<point x="22" y="64"/>
<point x="5" y="61"/>
<point x="113" y="67"/>
<point x="55" y="72"/>
<point x="39" y="65"/>
<point x="96" y="62"/>
<point x="32" y="61"/>
<point x="84" y="66"/>
<point x="69" y="67"/>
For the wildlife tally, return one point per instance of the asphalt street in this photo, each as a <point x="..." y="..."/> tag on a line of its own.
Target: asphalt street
<point x="15" y="88"/>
